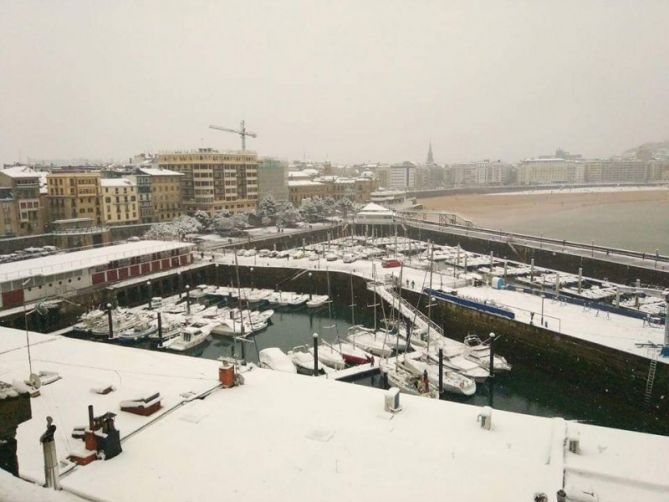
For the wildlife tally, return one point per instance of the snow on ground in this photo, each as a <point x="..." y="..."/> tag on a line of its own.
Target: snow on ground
<point x="592" y="189"/>
<point x="16" y="490"/>
<point x="292" y="437"/>
<point x="610" y="330"/>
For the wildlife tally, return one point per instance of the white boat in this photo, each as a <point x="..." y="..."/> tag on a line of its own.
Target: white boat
<point x="354" y="355"/>
<point x="170" y="328"/>
<point x="331" y="257"/>
<point x="452" y="381"/>
<point x="329" y="355"/>
<point x="190" y="337"/>
<point x="348" y="258"/>
<point x="287" y="299"/>
<point x="274" y="358"/>
<point x="302" y="359"/>
<point x="458" y="363"/>
<point x="138" y="332"/>
<point x="410" y="384"/>
<point x="317" y="301"/>
<point x="483" y="360"/>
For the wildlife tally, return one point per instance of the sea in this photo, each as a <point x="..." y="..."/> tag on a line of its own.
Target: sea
<point x="642" y="226"/>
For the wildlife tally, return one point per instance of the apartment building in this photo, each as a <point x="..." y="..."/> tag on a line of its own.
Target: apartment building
<point x="479" y="173"/>
<point x="550" y="171"/>
<point x="402" y="176"/>
<point x="356" y="189"/>
<point x="119" y="201"/>
<point x="159" y="194"/>
<point x="26" y="215"/>
<point x="214" y="180"/>
<point x="73" y="194"/>
<point x="272" y="179"/>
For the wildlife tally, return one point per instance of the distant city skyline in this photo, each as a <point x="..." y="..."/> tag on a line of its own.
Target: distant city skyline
<point x="350" y="82"/>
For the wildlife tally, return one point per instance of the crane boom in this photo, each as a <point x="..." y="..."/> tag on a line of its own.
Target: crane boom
<point x="241" y="131"/>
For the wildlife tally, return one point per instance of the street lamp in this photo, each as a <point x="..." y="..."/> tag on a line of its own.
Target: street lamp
<point x="251" y="278"/>
<point x="148" y="287"/>
<point x="25" y="322"/>
<point x="187" y="299"/>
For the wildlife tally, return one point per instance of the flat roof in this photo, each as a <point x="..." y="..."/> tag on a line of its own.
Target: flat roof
<point x="159" y="171"/>
<point x="116" y="182"/>
<point x="287" y="437"/>
<point x="77" y="260"/>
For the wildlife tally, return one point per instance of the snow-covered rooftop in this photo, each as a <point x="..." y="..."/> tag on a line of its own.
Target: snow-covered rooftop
<point x="291" y="437"/>
<point x="19" y="172"/>
<point x="375" y="208"/>
<point x="77" y="260"/>
<point x="116" y="182"/>
<point x="301" y="183"/>
<point x="159" y="172"/>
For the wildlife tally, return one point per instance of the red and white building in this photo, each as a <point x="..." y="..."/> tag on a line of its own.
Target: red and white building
<point x="38" y="278"/>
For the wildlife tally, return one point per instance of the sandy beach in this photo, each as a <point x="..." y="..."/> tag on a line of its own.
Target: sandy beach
<point x="494" y="210"/>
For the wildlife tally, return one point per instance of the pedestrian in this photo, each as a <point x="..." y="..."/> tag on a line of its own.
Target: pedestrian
<point x="413" y="284"/>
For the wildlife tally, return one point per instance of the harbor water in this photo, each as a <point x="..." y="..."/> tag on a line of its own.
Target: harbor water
<point x="525" y="389"/>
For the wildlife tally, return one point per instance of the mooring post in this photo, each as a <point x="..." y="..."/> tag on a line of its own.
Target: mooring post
<point x="315" y="354"/>
<point x="441" y="370"/>
<point x="532" y="270"/>
<point x="160" y="330"/>
<point x="492" y="355"/>
<point x="109" y="320"/>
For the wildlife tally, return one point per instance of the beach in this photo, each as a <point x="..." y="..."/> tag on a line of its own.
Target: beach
<point x="630" y="219"/>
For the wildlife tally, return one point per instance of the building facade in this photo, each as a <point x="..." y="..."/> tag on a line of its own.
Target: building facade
<point x="27" y="216"/>
<point x="74" y="194"/>
<point x="272" y="179"/>
<point x="479" y="173"/>
<point x="550" y="171"/>
<point x="159" y="194"/>
<point x="215" y="180"/>
<point x="402" y="176"/>
<point x="119" y="202"/>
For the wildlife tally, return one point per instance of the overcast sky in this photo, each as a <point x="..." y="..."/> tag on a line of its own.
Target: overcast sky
<point x="348" y="81"/>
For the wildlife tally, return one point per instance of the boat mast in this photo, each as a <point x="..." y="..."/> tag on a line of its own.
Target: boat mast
<point x="352" y="302"/>
<point x="429" y="299"/>
<point x="239" y="298"/>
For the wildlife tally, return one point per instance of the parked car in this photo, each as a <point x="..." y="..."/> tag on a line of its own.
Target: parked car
<point x="391" y="263"/>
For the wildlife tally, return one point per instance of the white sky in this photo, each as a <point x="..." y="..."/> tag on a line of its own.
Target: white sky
<point x="351" y="80"/>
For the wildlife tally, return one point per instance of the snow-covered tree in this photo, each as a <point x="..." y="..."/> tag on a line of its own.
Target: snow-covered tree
<point x="267" y="208"/>
<point x="175" y="229"/>
<point x="329" y="205"/>
<point x="223" y="223"/>
<point x="287" y="215"/>
<point x="344" y="205"/>
<point x="203" y="217"/>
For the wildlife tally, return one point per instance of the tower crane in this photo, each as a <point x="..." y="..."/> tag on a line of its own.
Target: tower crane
<point x="241" y="131"/>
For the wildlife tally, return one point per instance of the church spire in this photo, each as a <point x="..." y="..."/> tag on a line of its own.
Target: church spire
<point x="430" y="157"/>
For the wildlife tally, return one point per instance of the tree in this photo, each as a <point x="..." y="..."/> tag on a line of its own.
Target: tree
<point x="267" y="208"/>
<point x="225" y="224"/>
<point x="344" y="205"/>
<point x="287" y="215"/>
<point x="329" y="205"/>
<point x="203" y="218"/>
<point x="175" y="229"/>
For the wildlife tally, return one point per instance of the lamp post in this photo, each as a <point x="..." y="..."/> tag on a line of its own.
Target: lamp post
<point x="187" y="299"/>
<point x="216" y="273"/>
<point x="148" y="288"/>
<point x="109" y="320"/>
<point x="251" y="278"/>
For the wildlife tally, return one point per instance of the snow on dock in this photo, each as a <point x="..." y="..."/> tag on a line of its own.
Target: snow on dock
<point x="291" y="437"/>
<point x="590" y="324"/>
